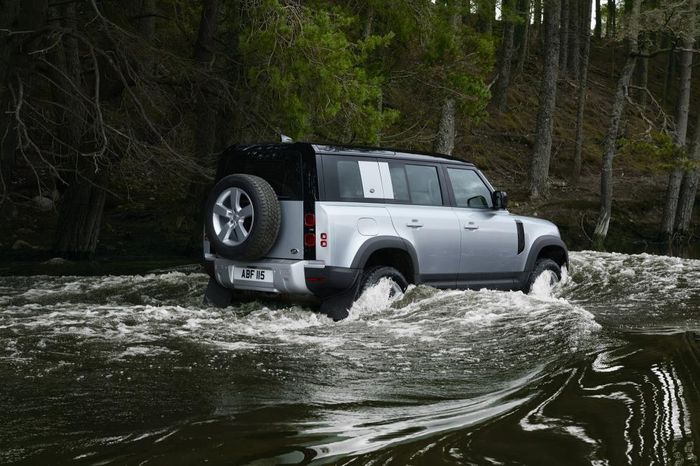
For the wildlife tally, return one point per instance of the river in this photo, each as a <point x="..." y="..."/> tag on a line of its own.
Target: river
<point x="133" y="369"/>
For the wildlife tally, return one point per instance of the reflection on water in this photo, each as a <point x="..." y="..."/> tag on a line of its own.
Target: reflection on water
<point x="133" y="369"/>
<point x="635" y="404"/>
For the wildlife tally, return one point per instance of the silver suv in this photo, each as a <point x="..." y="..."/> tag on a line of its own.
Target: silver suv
<point x="328" y="222"/>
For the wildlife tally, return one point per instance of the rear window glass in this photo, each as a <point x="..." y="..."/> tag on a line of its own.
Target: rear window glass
<point x="282" y="169"/>
<point x="350" y="179"/>
<point x="350" y="187"/>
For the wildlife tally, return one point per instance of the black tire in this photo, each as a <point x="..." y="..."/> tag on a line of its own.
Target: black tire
<point x="541" y="266"/>
<point x="265" y="222"/>
<point x="371" y="277"/>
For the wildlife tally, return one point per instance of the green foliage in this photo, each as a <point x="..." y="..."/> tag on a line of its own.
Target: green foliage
<point x="304" y="72"/>
<point x="435" y="54"/>
<point x="346" y="72"/>
<point x="656" y="151"/>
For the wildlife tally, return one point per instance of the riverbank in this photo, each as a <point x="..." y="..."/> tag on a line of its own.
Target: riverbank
<point x="135" y="241"/>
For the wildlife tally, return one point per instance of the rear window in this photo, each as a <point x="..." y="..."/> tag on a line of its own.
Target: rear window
<point x="350" y="185"/>
<point x="281" y="168"/>
<point x="350" y="179"/>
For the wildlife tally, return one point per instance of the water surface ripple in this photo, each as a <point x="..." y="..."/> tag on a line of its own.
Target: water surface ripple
<point x="602" y="369"/>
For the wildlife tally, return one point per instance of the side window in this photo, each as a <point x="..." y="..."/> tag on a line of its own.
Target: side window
<point x="399" y="182"/>
<point x="469" y="190"/>
<point x="415" y="184"/>
<point x="423" y="184"/>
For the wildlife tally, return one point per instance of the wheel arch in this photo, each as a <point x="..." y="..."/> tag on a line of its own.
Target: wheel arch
<point x="389" y="251"/>
<point x="550" y="247"/>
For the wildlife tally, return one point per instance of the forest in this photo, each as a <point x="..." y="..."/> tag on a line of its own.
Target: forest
<point x="114" y="112"/>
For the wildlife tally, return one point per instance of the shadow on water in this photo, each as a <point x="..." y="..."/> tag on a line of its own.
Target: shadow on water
<point x="135" y="370"/>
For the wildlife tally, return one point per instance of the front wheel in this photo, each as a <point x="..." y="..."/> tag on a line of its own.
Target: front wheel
<point x="544" y="266"/>
<point x="372" y="276"/>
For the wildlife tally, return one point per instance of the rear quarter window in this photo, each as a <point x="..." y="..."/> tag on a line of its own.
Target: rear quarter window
<point x="281" y="168"/>
<point x="350" y="179"/>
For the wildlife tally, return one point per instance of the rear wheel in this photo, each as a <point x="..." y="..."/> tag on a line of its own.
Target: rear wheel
<point x="544" y="266"/>
<point x="374" y="275"/>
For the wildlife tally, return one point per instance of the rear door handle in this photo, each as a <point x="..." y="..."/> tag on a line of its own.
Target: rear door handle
<point x="414" y="224"/>
<point x="471" y="226"/>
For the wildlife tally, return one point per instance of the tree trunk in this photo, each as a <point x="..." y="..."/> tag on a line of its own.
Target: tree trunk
<point x="445" y="139"/>
<point x="680" y="135"/>
<point x="598" y="21"/>
<point x="82" y="203"/>
<point x="683" y="102"/>
<point x="146" y="18"/>
<point x="582" y="89"/>
<point x="524" y="37"/>
<point x="610" y="25"/>
<point x="610" y="142"/>
<point x="539" y="169"/>
<point x="205" y="131"/>
<point x="643" y="72"/>
<point x="689" y="187"/>
<point x="668" y="77"/>
<point x="500" y="95"/>
<point x="369" y="22"/>
<point x="536" y="21"/>
<point x="366" y="33"/>
<point x="80" y="218"/>
<point x="205" y="111"/>
<point x="575" y="38"/>
<point x="564" y="36"/>
<point x="486" y="14"/>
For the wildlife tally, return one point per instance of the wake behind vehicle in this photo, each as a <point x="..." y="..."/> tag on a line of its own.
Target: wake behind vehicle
<point x="328" y="222"/>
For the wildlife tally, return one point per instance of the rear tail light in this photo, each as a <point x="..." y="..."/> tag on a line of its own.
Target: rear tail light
<point x="309" y="220"/>
<point x="316" y="279"/>
<point x="309" y="240"/>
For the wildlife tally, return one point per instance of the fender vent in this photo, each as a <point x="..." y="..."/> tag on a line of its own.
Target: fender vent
<point x="521" y="236"/>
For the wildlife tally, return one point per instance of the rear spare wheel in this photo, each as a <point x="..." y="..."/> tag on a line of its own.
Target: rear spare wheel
<point x="243" y="217"/>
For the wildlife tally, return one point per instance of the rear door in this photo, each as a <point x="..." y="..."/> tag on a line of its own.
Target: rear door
<point x="282" y="168"/>
<point x="489" y="251"/>
<point x="417" y="200"/>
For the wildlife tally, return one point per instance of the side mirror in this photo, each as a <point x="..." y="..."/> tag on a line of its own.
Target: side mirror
<point x="500" y="200"/>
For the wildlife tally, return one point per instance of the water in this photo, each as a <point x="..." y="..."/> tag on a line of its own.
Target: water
<point x="602" y="369"/>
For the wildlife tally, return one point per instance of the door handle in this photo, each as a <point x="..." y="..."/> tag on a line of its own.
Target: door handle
<point x="414" y="225"/>
<point x="471" y="226"/>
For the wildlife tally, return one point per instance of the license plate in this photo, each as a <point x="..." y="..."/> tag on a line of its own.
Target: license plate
<point x="253" y="275"/>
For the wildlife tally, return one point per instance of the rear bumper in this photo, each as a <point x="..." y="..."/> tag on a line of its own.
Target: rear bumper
<point x="304" y="277"/>
<point x="287" y="276"/>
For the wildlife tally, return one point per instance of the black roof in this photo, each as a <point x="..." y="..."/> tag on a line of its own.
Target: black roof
<point x="357" y="151"/>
